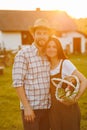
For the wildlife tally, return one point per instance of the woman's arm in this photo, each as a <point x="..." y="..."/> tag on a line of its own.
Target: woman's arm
<point x="83" y="83"/>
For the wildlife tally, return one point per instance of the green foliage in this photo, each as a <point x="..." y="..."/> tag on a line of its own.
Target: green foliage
<point x="81" y="25"/>
<point x="10" y="116"/>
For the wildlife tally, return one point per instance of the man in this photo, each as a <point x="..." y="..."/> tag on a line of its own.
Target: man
<point x="31" y="78"/>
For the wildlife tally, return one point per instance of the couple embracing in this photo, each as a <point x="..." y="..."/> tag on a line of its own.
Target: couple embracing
<point x="33" y="70"/>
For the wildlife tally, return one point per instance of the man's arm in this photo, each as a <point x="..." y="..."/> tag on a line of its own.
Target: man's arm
<point x="28" y="112"/>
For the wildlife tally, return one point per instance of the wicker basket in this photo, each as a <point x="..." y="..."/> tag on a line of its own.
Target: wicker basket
<point x="67" y="88"/>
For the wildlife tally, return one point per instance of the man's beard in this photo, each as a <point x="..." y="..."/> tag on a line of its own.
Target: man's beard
<point x="41" y="43"/>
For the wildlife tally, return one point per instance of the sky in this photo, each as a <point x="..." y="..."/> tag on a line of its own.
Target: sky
<point x="75" y="8"/>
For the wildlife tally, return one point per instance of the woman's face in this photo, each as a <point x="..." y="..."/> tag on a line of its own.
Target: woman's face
<point x="51" y="49"/>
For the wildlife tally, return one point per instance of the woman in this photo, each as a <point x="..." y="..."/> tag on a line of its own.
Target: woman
<point x="62" y="115"/>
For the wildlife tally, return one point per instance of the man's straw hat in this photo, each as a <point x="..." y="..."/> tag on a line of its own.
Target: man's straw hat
<point x="43" y="23"/>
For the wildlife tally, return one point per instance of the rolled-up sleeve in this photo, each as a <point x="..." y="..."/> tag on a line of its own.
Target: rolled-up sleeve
<point x="19" y="70"/>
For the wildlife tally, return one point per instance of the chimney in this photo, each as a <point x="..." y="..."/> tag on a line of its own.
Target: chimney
<point x="37" y="9"/>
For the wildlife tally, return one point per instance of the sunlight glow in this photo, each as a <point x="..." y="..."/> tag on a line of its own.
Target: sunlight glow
<point x="75" y="8"/>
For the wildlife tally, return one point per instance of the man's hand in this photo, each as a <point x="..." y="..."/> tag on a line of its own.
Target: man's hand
<point x="29" y="114"/>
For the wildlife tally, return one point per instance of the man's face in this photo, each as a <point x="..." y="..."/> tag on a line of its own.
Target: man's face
<point x="41" y="36"/>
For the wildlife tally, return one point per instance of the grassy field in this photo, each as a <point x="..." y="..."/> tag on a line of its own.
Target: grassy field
<point x="10" y="116"/>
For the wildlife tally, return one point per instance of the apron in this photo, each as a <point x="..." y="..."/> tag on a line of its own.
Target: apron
<point x="63" y="117"/>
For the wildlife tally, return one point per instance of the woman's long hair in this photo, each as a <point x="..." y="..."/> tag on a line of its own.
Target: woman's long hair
<point x="61" y="54"/>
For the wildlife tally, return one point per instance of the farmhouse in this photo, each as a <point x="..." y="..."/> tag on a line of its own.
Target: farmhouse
<point x="14" y="29"/>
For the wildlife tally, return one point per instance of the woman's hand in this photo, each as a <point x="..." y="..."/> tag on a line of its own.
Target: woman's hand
<point x="68" y="102"/>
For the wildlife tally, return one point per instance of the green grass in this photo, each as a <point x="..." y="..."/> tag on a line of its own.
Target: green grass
<point x="81" y="63"/>
<point x="10" y="116"/>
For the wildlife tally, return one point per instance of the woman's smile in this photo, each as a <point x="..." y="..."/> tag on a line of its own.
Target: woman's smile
<point x="51" y="49"/>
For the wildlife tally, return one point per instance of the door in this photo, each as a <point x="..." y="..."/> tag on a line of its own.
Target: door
<point x="76" y="45"/>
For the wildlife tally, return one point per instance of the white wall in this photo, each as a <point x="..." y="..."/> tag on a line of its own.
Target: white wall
<point x="68" y="39"/>
<point x="77" y="35"/>
<point x="65" y="41"/>
<point x="11" y="40"/>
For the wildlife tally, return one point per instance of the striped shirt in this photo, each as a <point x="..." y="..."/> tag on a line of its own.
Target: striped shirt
<point x="34" y="74"/>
